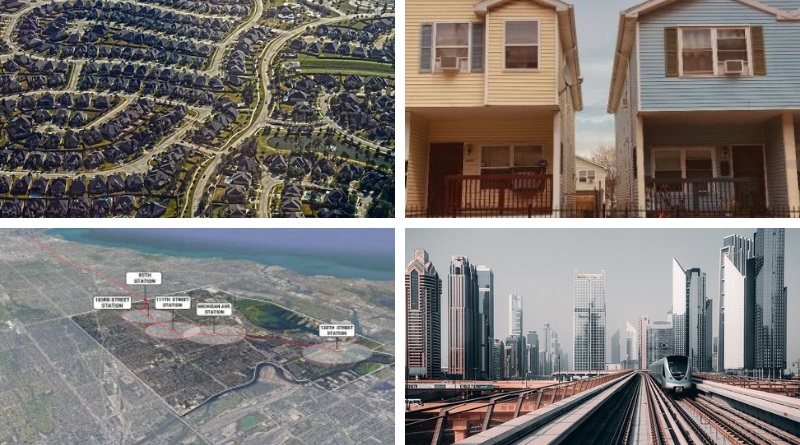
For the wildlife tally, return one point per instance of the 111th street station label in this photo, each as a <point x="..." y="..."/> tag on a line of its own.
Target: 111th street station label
<point x="214" y="309"/>
<point x="337" y="330"/>
<point x="173" y="302"/>
<point x="143" y="278"/>
<point x="112" y="303"/>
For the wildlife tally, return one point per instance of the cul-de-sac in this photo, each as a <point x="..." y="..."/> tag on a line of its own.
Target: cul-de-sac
<point x="189" y="108"/>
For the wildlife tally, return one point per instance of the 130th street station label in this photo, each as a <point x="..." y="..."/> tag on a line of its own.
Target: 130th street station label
<point x="112" y="303"/>
<point x="173" y="302"/>
<point x="337" y="330"/>
<point x="143" y="278"/>
<point x="214" y="309"/>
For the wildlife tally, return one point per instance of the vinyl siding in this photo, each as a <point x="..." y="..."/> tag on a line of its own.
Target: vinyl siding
<point x="528" y="87"/>
<point x="626" y="187"/>
<point x="776" y="164"/>
<point x="780" y="88"/>
<point x="438" y="89"/>
<point x="417" y="179"/>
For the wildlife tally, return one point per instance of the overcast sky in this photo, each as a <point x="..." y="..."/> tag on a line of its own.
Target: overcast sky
<point x="538" y="264"/>
<point x="597" y="38"/>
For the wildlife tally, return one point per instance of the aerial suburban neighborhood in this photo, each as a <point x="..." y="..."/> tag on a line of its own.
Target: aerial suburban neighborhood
<point x="703" y="96"/>
<point x="186" y="108"/>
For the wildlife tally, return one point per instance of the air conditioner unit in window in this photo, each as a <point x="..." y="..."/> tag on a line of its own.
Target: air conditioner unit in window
<point x="449" y="63"/>
<point x="734" y="67"/>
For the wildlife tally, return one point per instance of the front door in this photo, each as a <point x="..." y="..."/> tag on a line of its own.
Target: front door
<point x="748" y="162"/>
<point x="445" y="159"/>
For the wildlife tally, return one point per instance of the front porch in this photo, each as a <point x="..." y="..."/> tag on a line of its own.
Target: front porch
<point x="716" y="164"/>
<point x="485" y="162"/>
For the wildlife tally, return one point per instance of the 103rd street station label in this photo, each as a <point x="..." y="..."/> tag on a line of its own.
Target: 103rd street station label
<point x="143" y="278"/>
<point x="214" y="309"/>
<point x="173" y="302"/>
<point x="337" y="330"/>
<point x="112" y="303"/>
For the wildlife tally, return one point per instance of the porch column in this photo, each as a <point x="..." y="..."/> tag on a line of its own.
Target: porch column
<point x="557" y="201"/>
<point x="640" y="172"/>
<point x="789" y="146"/>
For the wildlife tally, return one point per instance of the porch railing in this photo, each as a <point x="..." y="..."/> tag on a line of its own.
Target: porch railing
<point x="709" y="197"/>
<point x="497" y="195"/>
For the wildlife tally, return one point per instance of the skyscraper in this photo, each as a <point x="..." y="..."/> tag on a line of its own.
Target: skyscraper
<point x="736" y="332"/>
<point x="589" y="322"/>
<point x="615" y="354"/>
<point x="738" y="304"/>
<point x="463" y="353"/>
<point x="514" y="314"/>
<point x="770" y="301"/>
<point x="516" y="366"/>
<point x="641" y="337"/>
<point x="659" y="340"/>
<point x="692" y="316"/>
<point x="486" y="321"/>
<point x="423" y="318"/>
<point x="545" y="361"/>
<point x="498" y="362"/>
<point x="630" y="361"/>
<point x="533" y="353"/>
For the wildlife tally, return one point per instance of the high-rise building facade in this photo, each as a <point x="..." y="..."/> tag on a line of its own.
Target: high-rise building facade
<point x="735" y="340"/>
<point x="516" y="366"/>
<point x="423" y="318"/>
<point x="641" y="341"/>
<point x="589" y="322"/>
<point x="615" y="349"/>
<point x="533" y="353"/>
<point x="498" y="359"/>
<point x="463" y="351"/>
<point x="692" y="316"/>
<point x="514" y="314"/>
<point x="486" y="321"/>
<point x="733" y="256"/>
<point x="770" y="301"/>
<point x="659" y="340"/>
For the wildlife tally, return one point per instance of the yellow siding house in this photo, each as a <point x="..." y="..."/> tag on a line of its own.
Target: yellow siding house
<point x="491" y="92"/>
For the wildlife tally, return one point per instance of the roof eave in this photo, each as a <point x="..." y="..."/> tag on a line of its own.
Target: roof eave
<point x="626" y="35"/>
<point x="482" y="7"/>
<point x="569" y="39"/>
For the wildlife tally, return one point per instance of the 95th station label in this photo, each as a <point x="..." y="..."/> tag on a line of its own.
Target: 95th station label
<point x="143" y="278"/>
<point x="214" y="309"/>
<point x="173" y="302"/>
<point x="120" y="303"/>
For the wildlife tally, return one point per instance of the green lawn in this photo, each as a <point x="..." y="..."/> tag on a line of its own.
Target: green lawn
<point x="333" y="64"/>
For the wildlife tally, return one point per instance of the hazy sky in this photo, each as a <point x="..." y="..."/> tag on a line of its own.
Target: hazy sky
<point x="597" y="36"/>
<point x="539" y="265"/>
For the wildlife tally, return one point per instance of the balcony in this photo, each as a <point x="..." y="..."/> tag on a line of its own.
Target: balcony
<point x="703" y="197"/>
<point x="519" y="194"/>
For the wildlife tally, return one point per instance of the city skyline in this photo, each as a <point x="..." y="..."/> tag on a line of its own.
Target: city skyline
<point x="539" y="268"/>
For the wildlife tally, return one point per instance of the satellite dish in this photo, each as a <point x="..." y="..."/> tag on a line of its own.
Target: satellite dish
<point x="569" y="76"/>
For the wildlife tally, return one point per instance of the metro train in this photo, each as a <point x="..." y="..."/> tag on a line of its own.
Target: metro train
<point x="673" y="373"/>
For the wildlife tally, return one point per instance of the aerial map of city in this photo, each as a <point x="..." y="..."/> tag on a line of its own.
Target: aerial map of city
<point x="196" y="337"/>
<point x="197" y="108"/>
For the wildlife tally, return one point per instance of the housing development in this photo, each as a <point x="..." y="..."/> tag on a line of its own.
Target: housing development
<point x="187" y="108"/>
<point x="702" y="95"/>
<point x="217" y="352"/>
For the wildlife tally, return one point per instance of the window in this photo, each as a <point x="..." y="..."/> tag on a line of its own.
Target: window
<point x="715" y="51"/>
<point x="455" y="47"/>
<point x="586" y="176"/>
<point x="675" y="165"/>
<point x="522" y="45"/>
<point x="509" y="159"/>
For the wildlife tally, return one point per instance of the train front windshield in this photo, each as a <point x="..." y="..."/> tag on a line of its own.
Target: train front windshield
<point x="677" y="366"/>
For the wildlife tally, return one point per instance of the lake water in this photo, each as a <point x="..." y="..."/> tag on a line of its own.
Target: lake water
<point x="342" y="253"/>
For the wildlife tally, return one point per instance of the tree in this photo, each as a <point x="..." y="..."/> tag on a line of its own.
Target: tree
<point x="605" y="156"/>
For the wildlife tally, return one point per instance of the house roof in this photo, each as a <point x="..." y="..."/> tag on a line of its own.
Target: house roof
<point x="626" y="37"/>
<point x="589" y="161"/>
